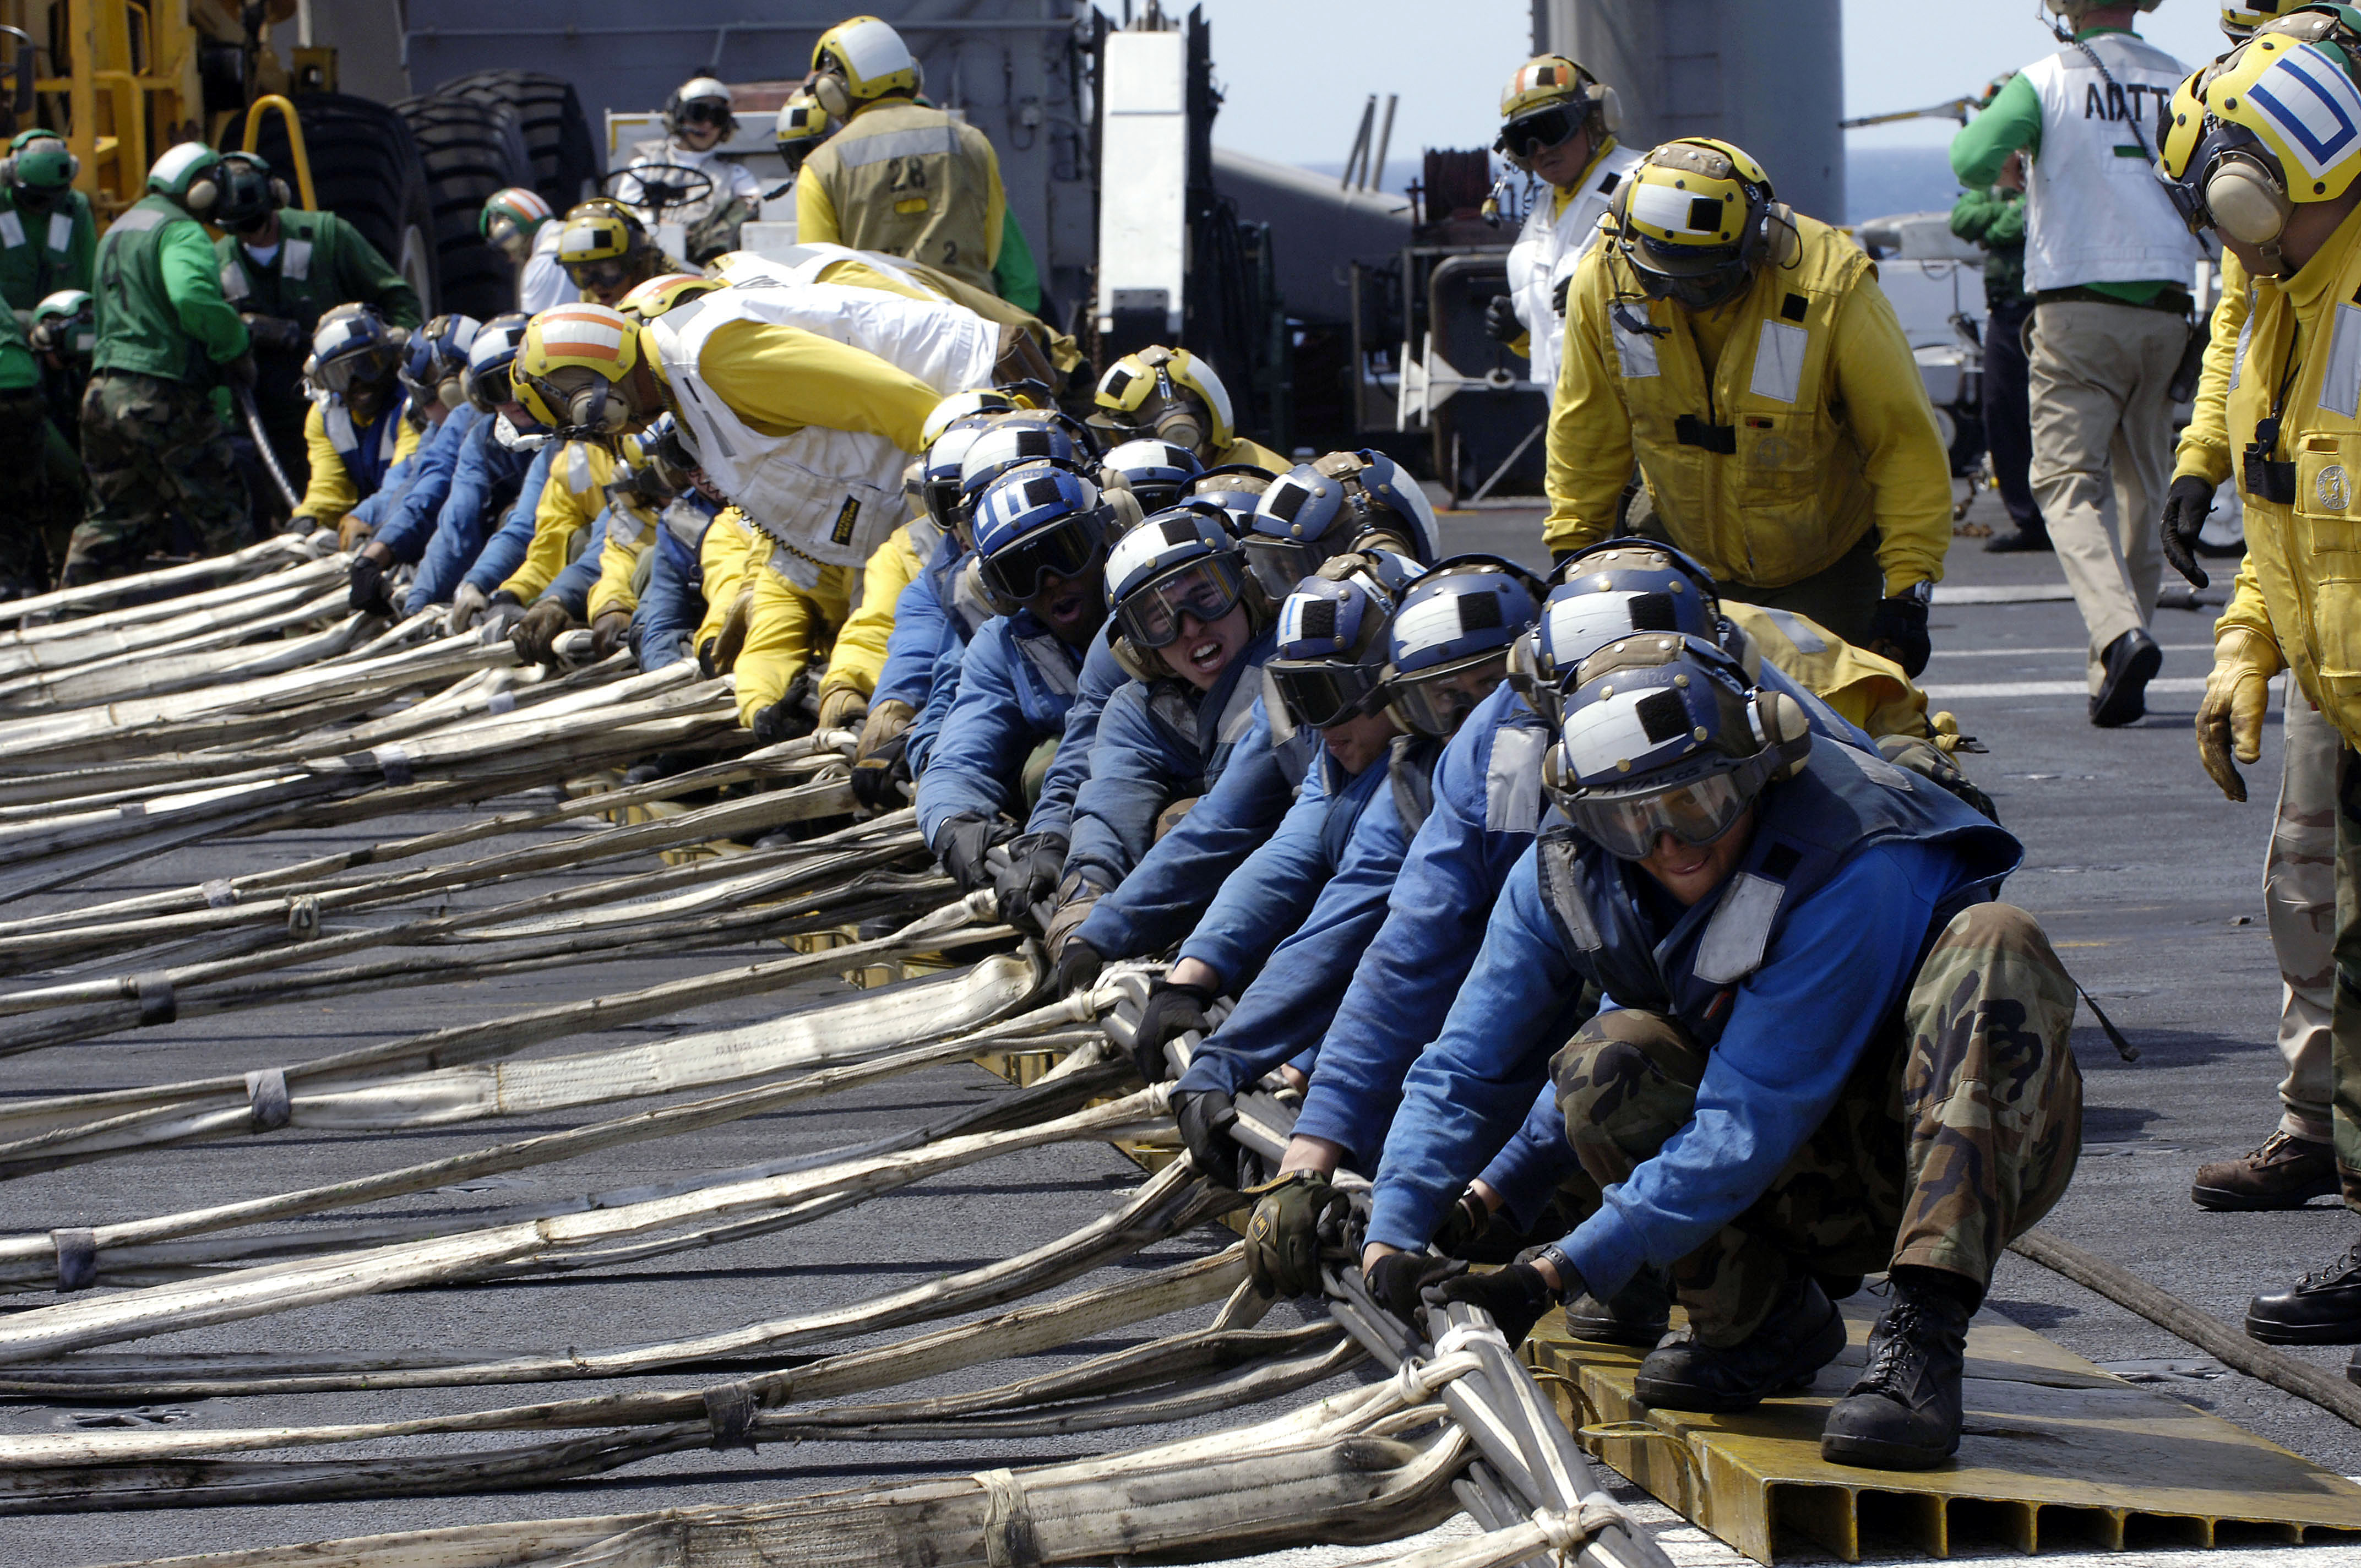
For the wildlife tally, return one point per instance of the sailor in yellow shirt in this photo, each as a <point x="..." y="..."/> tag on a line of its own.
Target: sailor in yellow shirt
<point x="1745" y="356"/>
<point x="636" y="498"/>
<point x="899" y="176"/>
<point x="2288" y="205"/>
<point x="357" y="434"/>
<point x="1174" y="395"/>
<point x="808" y="437"/>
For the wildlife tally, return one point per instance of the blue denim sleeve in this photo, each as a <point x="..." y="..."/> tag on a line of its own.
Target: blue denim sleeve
<point x="503" y="553"/>
<point x="1291" y="1003"/>
<point x="409" y="517"/>
<point x="458" y="543"/>
<point x="1268" y="895"/>
<point x="942" y="691"/>
<point x="1835" y="972"/>
<point x="1470" y="1090"/>
<point x="1137" y="769"/>
<point x="669" y="611"/>
<point x="1102" y="678"/>
<point x="978" y="754"/>
<point x="1527" y="1173"/>
<point x="920" y="631"/>
<point x="571" y="586"/>
<point x="1162" y="895"/>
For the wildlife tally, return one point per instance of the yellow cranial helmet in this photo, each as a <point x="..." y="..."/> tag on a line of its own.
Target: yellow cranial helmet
<point x="1693" y="220"/>
<point x="2240" y="21"/>
<point x="598" y="230"/>
<point x="1551" y="97"/>
<point x="573" y="359"/>
<point x="958" y="406"/>
<point x="867" y="59"/>
<point x="804" y="123"/>
<point x="2272" y="125"/>
<point x="664" y="293"/>
<point x="1151" y="391"/>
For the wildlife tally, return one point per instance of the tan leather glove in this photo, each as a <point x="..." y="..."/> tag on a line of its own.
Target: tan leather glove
<point x="352" y="532"/>
<point x="606" y="632"/>
<point x="2237" y="694"/>
<point x="733" y="631"/>
<point x="841" y="708"/>
<point x="467" y="604"/>
<point x="886" y="719"/>
<point x="535" y="634"/>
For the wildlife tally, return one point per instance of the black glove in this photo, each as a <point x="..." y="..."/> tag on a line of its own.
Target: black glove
<point x="705" y="664"/>
<point x="1284" y="1236"/>
<point x="365" y="588"/>
<point x="1898" y="631"/>
<point x="783" y="720"/>
<point x="1206" y="1116"/>
<point x="1516" y="1296"/>
<point x="1036" y="862"/>
<point x="881" y="781"/>
<point x="1557" y="294"/>
<point x="961" y="843"/>
<point x="275" y="335"/>
<point x="1171" y="1012"/>
<point x="2185" y="508"/>
<point x="1501" y="323"/>
<point x="608" y="632"/>
<point x="1462" y="1223"/>
<point x="1399" y="1281"/>
<point x="1078" y="965"/>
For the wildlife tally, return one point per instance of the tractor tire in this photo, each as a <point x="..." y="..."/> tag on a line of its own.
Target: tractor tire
<point x="471" y="149"/>
<point x="566" y="162"/>
<point x="365" y="168"/>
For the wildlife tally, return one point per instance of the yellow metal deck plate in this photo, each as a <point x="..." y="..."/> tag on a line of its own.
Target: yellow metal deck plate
<point x="2057" y="1454"/>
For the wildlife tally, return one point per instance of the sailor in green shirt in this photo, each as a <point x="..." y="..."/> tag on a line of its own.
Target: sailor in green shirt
<point x="283" y="268"/>
<point x="47" y="239"/>
<point x="1995" y="219"/>
<point x="27" y="509"/>
<point x="149" y="437"/>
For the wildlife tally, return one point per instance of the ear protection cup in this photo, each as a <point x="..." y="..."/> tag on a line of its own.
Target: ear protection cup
<point x="1609" y="111"/>
<point x="973" y="575"/>
<point x="829" y="88"/>
<point x="451" y="393"/>
<point x="1142" y="664"/>
<point x="1128" y="513"/>
<point x="1524" y="669"/>
<point x="2247" y="205"/>
<point x="201" y="196"/>
<point x="279" y="197"/>
<point x="1779" y="721"/>
<point x="588" y="408"/>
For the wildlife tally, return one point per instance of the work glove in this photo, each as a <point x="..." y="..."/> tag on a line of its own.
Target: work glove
<point x="240" y="371"/>
<point x="1926" y="759"/>
<point x="1074" y="906"/>
<point x="2186" y="507"/>
<point x="468" y="607"/>
<point x="1399" y="1281"/>
<point x="352" y="533"/>
<point x="732" y="635"/>
<point x="364" y="589"/>
<point x="781" y="720"/>
<point x="1516" y="1297"/>
<point x="1171" y="1012"/>
<point x="1035" y="862"/>
<point x="2237" y="696"/>
<point x="886" y="720"/>
<point x="1898" y="631"/>
<point x="706" y="664"/>
<point x="1501" y="323"/>
<point x="503" y="611"/>
<point x="881" y="780"/>
<point x="1557" y="294"/>
<point x="609" y="632"/>
<point x="275" y="335"/>
<point x="1078" y="964"/>
<point x="1206" y="1116"/>
<point x="1284" y="1236"/>
<point x="841" y="708"/>
<point x="961" y="843"/>
<point x="1462" y="1223"/>
<point x="538" y="631"/>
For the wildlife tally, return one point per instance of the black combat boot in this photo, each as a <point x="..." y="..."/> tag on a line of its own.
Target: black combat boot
<point x="1802" y="1334"/>
<point x="1637" y="1314"/>
<point x="2323" y="1306"/>
<point x="1904" y="1414"/>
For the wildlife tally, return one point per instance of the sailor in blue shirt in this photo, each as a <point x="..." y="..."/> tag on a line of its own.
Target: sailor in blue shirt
<point x="1796" y="942"/>
<point x="401" y="512"/>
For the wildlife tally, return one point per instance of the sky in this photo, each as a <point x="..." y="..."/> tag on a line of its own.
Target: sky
<point x="1297" y="73"/>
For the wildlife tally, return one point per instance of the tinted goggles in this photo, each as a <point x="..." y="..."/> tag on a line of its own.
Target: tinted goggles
<point x="1279" y="563"/>
<point x="946" y="507"/>
<point x="608" y="274"/>
<point x="347" y="371"/>
<point x="1436" y="702"/>
<point x="1068" y="550"/>
<point x="1627" y="826"/>
<point x="1206" y="589"/>
<point x="1319" y="693"/>
<point x="1545" y="128"/>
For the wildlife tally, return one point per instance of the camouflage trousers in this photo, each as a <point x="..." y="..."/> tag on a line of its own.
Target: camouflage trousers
<point x="153" y="447"/>
<point x="1957" y="1131"/>
<point x="27" y="483"/>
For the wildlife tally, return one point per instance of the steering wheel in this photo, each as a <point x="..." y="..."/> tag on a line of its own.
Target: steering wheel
<point x="662" y="186"/>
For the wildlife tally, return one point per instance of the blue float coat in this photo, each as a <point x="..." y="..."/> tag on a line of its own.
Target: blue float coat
<point x="1013" y="687"/>
<point x="414" y="492"/>
<point x="503" y="553"/>
<point x="487" y="477"/>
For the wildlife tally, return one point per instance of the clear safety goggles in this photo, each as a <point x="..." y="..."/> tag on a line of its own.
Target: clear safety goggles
<point x="1545" y="128"/>
<point x="1279" y="563"/>
<point x="365" y="369"/>
<point x="609" y="273"/>
<point x="1318" y="693"/>
<point x="1627" y="826"/>
<point x="1438" y="701"/>
<point x="1207" y="590"/>
<point x="1070" y="550"/>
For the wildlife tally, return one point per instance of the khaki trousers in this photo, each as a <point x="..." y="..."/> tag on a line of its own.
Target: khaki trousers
<point x="2299" y="902"/>
<point x="2102" y="455"/>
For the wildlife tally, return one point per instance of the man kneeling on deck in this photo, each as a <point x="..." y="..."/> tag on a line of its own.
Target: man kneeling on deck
<point x="1824" y="1051"/>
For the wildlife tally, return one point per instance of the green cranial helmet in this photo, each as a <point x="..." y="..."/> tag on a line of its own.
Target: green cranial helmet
<point x="38" y="160"/>
<point x="190" y="174"/>
<point x="66" y="324"/>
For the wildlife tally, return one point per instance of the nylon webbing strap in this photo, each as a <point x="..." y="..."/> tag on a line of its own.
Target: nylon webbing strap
<point x="501" y="702"/>
<point x="731" y="1409"/>
<point x="266" y="1100"/>
<point x="218" y="893"/>
<point x="154" y="989"/>
<point x="77" y="1259"/>
<point x="394" y="763"/>
<point x="1009" y="1539"/>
